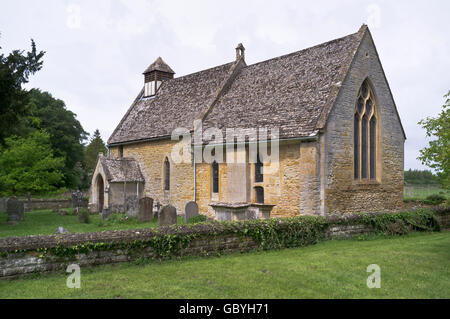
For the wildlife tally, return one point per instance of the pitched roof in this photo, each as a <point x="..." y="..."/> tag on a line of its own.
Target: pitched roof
<point x="122" y="169"/>
<point x="159" y="65"/>
<point x="176" y="104"/>
<point x="289" y="92"/>
<point x="292" y="92"/>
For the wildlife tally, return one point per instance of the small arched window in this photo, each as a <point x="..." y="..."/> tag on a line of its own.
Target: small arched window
<point x="365" y="134"/>
<point x="259" y="177"/>
<point x="215" y="177"/>
<point x="166" y="174"/>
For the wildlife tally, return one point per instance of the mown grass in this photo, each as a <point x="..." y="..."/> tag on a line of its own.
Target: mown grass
<point x="45" y="222"/>
<point x="421" y="192"/>
<point x="412" y="266"/>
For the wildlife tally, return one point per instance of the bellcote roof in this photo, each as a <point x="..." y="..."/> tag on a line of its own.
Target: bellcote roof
<point x="159" y="65"/>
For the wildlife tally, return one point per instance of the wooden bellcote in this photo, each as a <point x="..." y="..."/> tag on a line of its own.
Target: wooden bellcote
<point x="157" y="72"/>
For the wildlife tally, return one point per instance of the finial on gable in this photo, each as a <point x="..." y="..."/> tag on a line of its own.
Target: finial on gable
<point x="240" y="51"/>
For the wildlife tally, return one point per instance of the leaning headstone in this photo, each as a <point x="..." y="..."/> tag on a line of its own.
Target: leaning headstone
<point x="190" y="210"/>
<point x="61" y="230"/>
<point x="145" y="209"/>
<point x="14" y="208"/>
<point x="167" y="216"/>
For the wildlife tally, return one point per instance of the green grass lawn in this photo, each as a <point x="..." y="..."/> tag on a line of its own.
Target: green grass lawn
<point x="422" y="191"/>
<point x="46" y="222"/>
<point x="412" y="266"/>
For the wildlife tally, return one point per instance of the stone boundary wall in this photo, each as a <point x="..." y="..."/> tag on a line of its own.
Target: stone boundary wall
<point x="43" y="253"/>
<point x="15" y="264"/>
<point x="41" y="203"/>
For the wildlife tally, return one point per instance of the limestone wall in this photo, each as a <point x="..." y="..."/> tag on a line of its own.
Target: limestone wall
<point x="19" y="263"/>
<point x="293" y="188"/>
<point x="341" y="192"/>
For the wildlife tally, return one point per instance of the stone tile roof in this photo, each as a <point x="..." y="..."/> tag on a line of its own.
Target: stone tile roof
<point x="176" y="104"/>
<point x="294" y="92"/>
<point x="121" y="169"/>
<point x="289" y="92"/>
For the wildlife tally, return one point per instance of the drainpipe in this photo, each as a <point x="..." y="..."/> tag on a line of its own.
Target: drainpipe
<point x="195" y="179"/>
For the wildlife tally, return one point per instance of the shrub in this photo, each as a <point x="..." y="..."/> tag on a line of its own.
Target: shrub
<point x="197" y="219"/>
<point x="402" y="223"/>
<point x="434" y="199"/>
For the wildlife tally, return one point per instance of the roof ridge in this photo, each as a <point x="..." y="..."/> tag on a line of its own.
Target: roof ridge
<point x="334" y="92"/>
<point x="232" y="73"/>
<point x="305" y="49"/>
<point x="208" y="69"/>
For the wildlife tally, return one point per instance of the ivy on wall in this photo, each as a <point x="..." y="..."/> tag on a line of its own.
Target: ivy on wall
<point x="267" y="234"/>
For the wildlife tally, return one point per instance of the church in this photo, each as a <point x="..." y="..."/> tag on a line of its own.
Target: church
<point x="339" y="141"/>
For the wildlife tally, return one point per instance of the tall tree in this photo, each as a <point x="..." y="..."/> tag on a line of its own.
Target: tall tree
<point x="66" y="133"/>
<point x="437" y="154"/>
<point x="95" y="147"/>
<point x="15" y="70"/>
<point x="27" y="164"/>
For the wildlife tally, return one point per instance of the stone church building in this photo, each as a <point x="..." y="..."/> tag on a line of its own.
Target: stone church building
<point x="341" y="142"/>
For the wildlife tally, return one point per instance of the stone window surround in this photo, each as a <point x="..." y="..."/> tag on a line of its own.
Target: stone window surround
<point x="375" y="113"/>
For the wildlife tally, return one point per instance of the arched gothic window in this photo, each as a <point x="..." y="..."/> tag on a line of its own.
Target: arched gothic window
<point x="365" y="134"/>
<point x="166" y="174"/>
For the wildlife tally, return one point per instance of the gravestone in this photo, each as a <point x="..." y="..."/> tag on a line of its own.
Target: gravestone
<point x="77" y="201"/>
<point x="14" y="208"/>
<point x="145" y="209"/>
<point x="167" y="216"/>
<point x="190" y="210"/>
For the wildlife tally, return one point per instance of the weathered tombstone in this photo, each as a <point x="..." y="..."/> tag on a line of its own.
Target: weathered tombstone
<point x="77" y="199"/>
<point x="190" y="210"/>
<point x="167" y="216"/>
<point x="145" y="209"/>
<point x="131" y="206"/>
<point x="14" y="208"/>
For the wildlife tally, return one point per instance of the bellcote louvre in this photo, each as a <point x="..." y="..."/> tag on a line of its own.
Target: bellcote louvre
<point x="157" y="72"/>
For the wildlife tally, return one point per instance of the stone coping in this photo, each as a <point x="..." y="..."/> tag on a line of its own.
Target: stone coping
<point x="239" y="205"/>
<point x="230" y="205"/>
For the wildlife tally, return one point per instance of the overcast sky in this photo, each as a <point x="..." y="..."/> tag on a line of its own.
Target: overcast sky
<point x="97" y="50"/>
